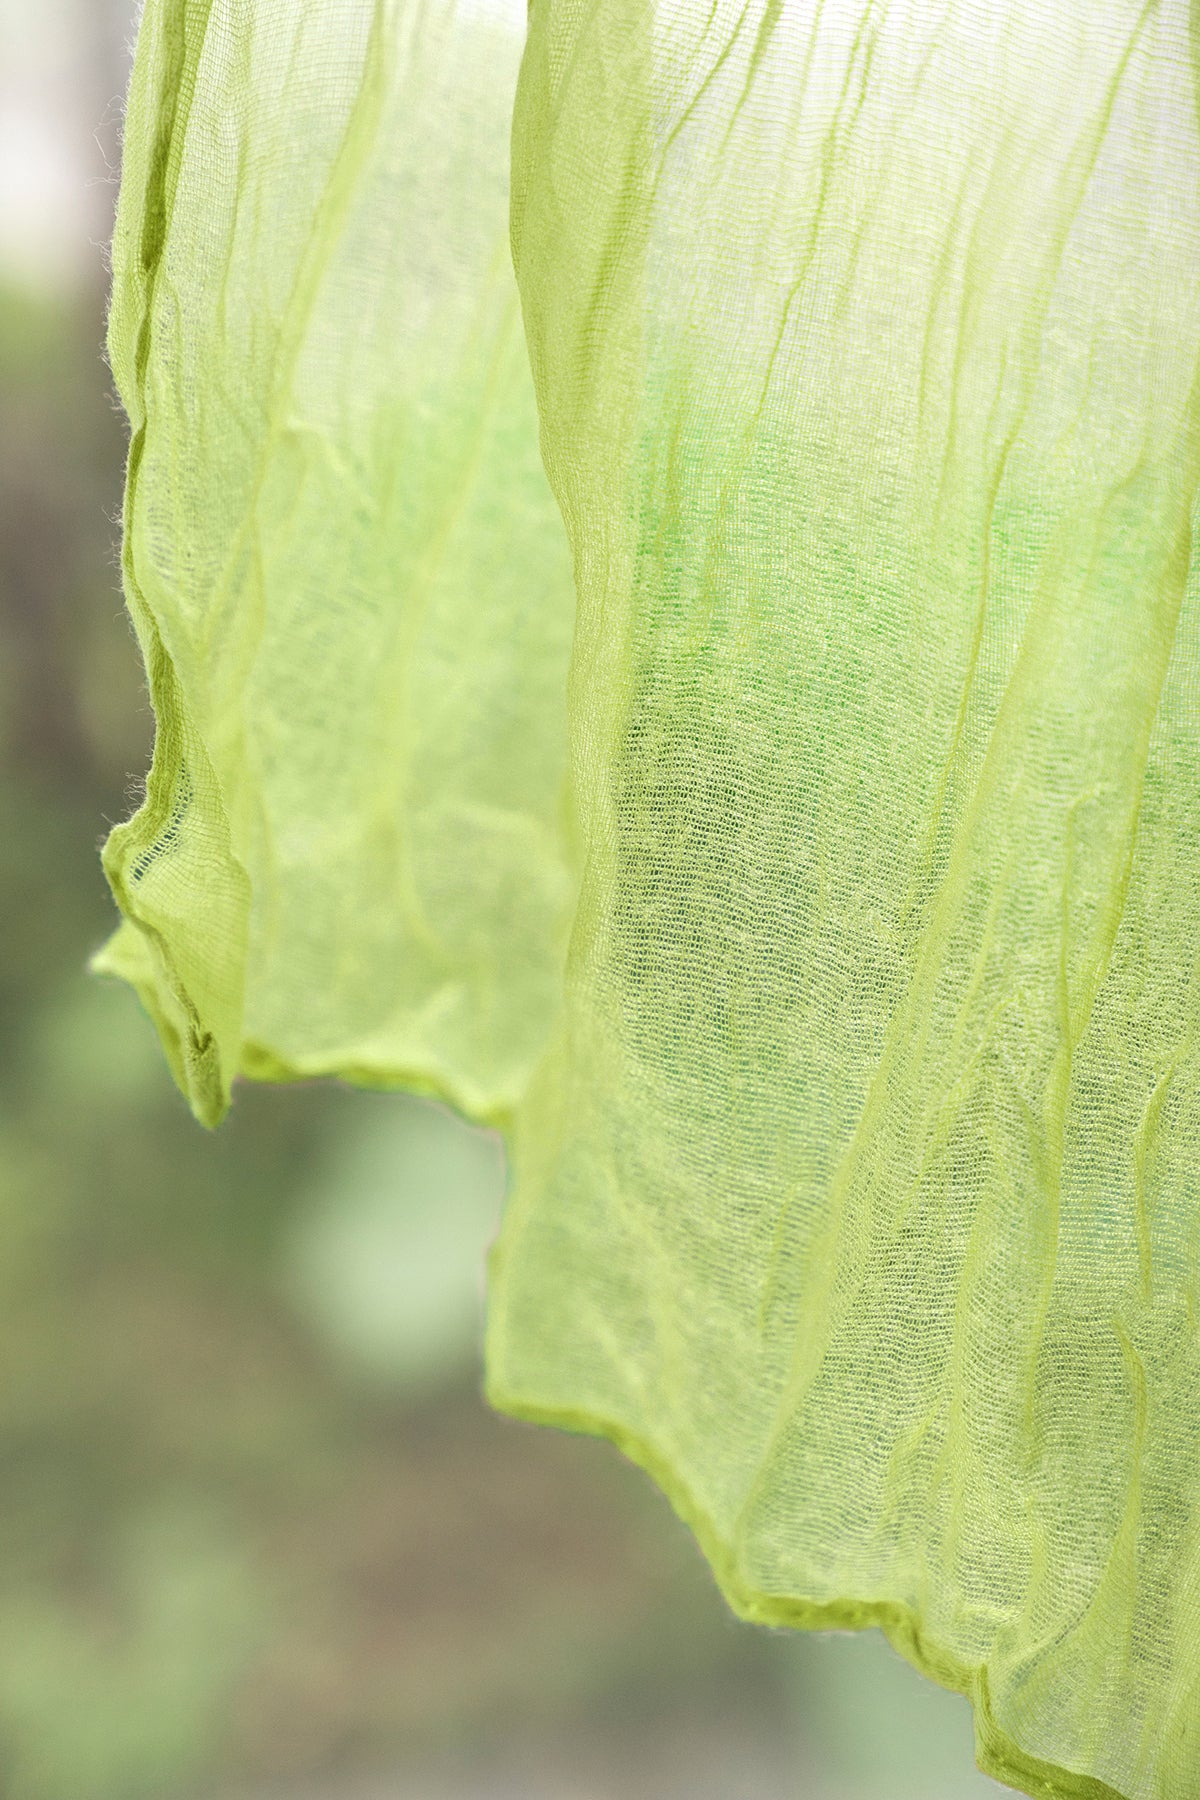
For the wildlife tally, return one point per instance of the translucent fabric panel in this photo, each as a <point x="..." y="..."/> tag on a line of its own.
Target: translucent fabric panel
<point x="349" y="577"/>
<point x="859" y="1196"/>
<point x="856" y="1134"/>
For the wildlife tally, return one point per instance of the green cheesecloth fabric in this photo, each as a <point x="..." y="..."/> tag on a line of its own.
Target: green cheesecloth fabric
<point x="797" y="855"/>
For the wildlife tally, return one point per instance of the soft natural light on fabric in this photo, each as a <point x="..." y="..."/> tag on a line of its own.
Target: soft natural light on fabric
<point x="341" y="553"/>
<point x="824" y="936"/>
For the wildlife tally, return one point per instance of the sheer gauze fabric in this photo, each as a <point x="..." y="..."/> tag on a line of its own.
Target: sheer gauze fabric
<point x="347" y="571"/>
<point x="774" y="803"/>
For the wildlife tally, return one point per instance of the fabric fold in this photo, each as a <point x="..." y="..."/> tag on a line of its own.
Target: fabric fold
<point x="855" y="1199"/>
<point x="347" y="571"/>
<point x="796" y="853"/>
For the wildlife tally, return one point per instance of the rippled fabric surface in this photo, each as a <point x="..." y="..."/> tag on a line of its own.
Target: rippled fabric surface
<point x="349" y="576"/>
<point x="857" y="1179"/>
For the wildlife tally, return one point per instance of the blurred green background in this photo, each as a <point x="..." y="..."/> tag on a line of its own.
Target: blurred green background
<point x="258" y="1534"/>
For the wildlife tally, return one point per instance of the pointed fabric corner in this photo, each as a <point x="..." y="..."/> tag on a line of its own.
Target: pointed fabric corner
<point x="825" y="933"/>
<point x="346" y="568"/>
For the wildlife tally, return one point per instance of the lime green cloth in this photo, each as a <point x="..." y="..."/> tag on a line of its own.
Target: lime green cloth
<point x="347" y="571"/>
<point x="856" y="1140"/>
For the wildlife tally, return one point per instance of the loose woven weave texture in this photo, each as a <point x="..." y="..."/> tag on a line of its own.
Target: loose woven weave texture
<point x="856" y="1134"/>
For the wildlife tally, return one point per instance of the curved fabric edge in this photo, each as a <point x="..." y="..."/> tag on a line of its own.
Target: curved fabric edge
<point x="211" y="938"/>
<point x="133" y="955"/>
<point x="995" y="1752"/>
<point x="428" y="1081"/>
<point x="197" y="1008"/>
